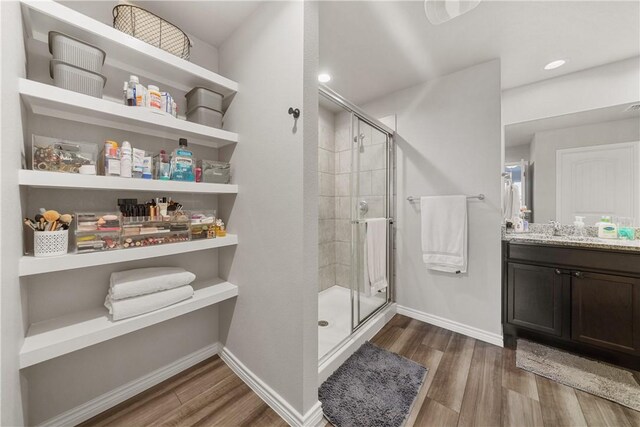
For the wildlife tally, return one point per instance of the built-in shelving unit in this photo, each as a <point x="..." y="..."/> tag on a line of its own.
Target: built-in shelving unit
<point x="30" y="265"/>
<point x="52" y="101"/>
<point x="52" y="338"/>
<point x="39" y="179"/>
<point x="124" y="53"/>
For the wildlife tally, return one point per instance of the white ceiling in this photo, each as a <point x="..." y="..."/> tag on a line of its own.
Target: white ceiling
<point x="373" y="48"/>
<point x="210" y="21"/>
<point x="522" y="133"/>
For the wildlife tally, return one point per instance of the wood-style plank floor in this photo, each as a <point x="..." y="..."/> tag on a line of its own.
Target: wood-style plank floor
<point x="469" y="383"/>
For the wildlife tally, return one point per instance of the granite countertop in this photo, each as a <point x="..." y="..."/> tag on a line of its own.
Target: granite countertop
<point x="568" y="240"/>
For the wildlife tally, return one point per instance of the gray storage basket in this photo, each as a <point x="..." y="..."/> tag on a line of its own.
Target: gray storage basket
<point x="150" y="28"/>
<point x="73" y="78"/>
<point x="76" y="52"/>
<point x="203" y="97"/>
<point x="215" y="172"/>
<point x="205" y="116"/>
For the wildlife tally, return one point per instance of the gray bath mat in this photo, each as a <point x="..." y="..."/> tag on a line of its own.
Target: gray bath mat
<point x="607" y="381"/>
<point x="373" y="388"/>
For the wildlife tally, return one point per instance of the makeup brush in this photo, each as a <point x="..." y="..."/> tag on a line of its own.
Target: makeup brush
<point x="66" y="218"/>
<point x="29" y="224"/>
<point x="51" y="215"/>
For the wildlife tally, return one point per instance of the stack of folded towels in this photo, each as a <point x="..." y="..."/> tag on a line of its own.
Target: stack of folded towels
<point x="134" y="292"/>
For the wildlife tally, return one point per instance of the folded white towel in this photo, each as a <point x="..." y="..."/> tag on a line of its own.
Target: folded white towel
<point x="121" y="309"/>
<point x="142" y="281"/>
<point x="444" y="233"/>
<point x="375" y="255"/>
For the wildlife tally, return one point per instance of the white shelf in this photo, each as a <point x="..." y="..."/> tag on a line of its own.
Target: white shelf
<point x="124" y="52"/>
<point x="52" y="101"/>
<point x="52" y="338"/>
<point x="39" y="179"/>
<point x="30" y="265"/>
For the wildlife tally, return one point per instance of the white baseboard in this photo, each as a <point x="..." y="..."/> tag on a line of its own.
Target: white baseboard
<point x="312" y="418"/>
<point x="470" y="331"/>
<point x="347" y="348"/>
<point x="118" y="395"/>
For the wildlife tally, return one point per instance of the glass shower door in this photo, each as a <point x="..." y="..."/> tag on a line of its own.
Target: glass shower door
<point x="369" y="188"/>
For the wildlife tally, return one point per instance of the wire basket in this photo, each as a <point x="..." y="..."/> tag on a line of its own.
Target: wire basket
<point x="152" y="29"/>
<point x="50" y="243"/>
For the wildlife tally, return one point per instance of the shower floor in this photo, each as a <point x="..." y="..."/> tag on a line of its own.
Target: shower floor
<point x="334" y="306"/>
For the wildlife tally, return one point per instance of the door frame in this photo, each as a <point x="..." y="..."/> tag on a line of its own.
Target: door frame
<point x="636" y="179"/>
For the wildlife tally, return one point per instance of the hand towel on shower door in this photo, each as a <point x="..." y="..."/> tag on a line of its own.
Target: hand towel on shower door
<point x="376" y="255"/>
<point x="444" y="233"/>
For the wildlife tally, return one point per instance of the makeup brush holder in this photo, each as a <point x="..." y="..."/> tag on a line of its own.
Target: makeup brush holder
<point x="50" y="243"/>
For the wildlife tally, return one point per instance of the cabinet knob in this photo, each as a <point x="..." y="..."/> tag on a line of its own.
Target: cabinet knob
<point x="577" y="274"/>
<point x="558" y="271"/>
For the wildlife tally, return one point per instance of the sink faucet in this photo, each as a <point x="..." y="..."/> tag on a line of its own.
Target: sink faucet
<point x="556" y="227"/>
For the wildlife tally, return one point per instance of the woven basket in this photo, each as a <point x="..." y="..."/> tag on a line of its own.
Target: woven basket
<point x="152" y="29"/>
<point x="50" y="243"/>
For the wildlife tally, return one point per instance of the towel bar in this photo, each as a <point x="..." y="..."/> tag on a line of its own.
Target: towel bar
<point x="412" y="199"/>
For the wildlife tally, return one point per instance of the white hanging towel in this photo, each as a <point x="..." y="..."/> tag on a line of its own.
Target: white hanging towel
<point x="444" y="233"/>
<point x="375" y="255"/>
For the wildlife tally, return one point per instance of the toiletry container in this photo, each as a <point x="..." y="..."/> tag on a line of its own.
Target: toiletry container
<point x="111" y="159"/>
<point x="202" y="97"/>
<point x="607" y="229"/>
<point x="579" y="231"/>
<point x="154" y="98"/>
<point x="205" y="116"/>
<point x="125" y="160"/>
<point x="182" y="163"/>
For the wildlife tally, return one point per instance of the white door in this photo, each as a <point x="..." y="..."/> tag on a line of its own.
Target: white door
<point x="597" y="181"/>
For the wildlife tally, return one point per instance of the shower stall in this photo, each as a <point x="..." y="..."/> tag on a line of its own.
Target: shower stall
<point x="356" y="183"/>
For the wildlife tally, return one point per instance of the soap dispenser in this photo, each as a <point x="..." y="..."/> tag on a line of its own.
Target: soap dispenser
<point x="607" y="229"/>
<point x="579" y="231"/>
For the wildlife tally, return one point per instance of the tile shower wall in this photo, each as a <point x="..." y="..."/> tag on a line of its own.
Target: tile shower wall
<point x="326" y="215"/>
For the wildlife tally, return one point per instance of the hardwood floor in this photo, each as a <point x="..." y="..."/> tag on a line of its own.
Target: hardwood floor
<point x="472" y="383"/>
<point x="469" y="383"/>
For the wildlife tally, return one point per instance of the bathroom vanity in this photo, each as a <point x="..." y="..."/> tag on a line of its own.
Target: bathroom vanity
<point x="581" y="296"/>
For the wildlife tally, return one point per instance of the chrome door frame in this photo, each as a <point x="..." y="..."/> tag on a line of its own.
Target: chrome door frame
<point x="390" y="209"/>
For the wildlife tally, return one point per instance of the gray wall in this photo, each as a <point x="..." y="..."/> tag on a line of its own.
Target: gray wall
<point x="12" y="395"/>
<point x="272" y="327"/>
<point x="546" y="144"/>
<point x="517" y="153"/>
<point x="449" y="142"/>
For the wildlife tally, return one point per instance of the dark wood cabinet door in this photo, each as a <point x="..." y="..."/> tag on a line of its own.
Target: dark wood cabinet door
<point x="534" y="297"/>
<point x="605" y="311"/>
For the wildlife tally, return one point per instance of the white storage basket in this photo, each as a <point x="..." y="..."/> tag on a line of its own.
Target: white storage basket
<point x="73" y="78"/>
<point x="50" y="243"/>
<point x="76" y="52"/>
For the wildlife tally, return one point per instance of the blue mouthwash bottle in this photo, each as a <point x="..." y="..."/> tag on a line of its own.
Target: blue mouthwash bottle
<point x="182" y="163"/>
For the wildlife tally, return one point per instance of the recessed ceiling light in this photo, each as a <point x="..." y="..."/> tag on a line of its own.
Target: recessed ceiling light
<point x="324" y="77"/>
<point x="554" y="64"/>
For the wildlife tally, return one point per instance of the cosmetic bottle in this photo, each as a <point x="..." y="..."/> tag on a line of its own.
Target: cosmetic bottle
<point x="137" y="164"/>
<point x="125" y="160"/>
<point x="579" y="231"/>
<point x="182" y="163"/>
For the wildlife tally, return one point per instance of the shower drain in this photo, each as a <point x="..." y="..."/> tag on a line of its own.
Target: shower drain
<point x="323" y="323"/>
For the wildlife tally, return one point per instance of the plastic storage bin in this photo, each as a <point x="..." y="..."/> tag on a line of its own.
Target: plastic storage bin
<point x="202" y="97"/>
<point x="203" y="225"/>
<point x="76" y="52"/>
<point x="205" y="116"/>
<point x="151" y="231"/>
<point x="74" y="78"/>
<point x="58" y="155"/>
<point x="215" y="172"/>
<point x="50" y="243"/>
<point x="152" y="29"/>
<point x="97" y="231"/>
